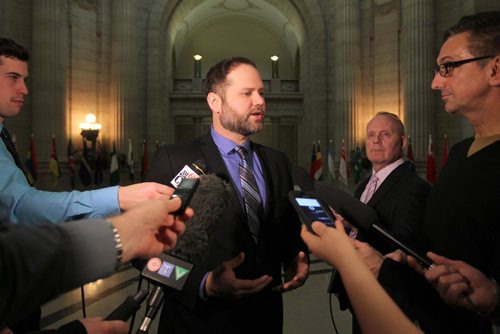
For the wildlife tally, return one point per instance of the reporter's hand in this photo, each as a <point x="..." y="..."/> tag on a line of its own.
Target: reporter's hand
<point x="462" y="285"/>
<point x="150" y="229"/>
<point x="222" y="282"/>
<point x="133" y="195"/>
<point x="372" y="258"/>
<point x="329" y="244"/>
<point x="295" y="275"/>
<point x="100" y="326"/>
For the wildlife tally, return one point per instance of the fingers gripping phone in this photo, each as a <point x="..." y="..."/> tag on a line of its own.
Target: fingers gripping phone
<point x="185" y="191"/>
<point x="311" y="209"/>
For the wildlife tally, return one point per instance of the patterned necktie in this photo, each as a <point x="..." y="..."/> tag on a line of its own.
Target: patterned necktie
<point x="7" y="140"/>
<point x="251" y="195"/>
<point x="371" y="187"/>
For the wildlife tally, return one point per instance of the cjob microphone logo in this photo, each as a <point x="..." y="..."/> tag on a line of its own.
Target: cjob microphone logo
<point x="185" y="172"/>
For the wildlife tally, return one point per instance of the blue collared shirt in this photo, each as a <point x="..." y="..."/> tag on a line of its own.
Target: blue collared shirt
<point x="232" y="161"/>
<point x="23" y="204"/>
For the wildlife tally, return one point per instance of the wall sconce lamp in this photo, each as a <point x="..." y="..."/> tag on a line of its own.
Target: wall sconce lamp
<point x="197" y="65"/>
<point x="275" y="72"/>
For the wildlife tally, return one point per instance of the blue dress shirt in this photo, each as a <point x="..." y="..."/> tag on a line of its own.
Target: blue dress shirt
<point x="21" y="203"/>
<point x="232" y="161"/>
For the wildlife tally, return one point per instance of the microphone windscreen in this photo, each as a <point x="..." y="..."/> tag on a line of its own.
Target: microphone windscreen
<point x="355" y="212"/>
<point x="209" y="203"/>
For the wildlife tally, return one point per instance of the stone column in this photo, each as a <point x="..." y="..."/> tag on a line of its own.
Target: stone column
<point x="127" y="116"/>
<point x="418" y="57"/>
<point x="48" y="75"/>
<point x="347" y="71"/>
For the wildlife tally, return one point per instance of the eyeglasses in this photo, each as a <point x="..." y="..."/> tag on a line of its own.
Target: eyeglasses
<point x="446" y="69"/>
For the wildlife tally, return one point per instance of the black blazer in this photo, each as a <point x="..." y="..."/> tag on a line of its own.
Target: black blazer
<point x="400" y="205"/>
<point x="279" y="242"/>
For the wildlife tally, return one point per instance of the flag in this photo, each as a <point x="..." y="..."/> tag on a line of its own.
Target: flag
<point x="54" y="163"/>
<point x="445" y="152"/>
<point x="31" y="162"/>
<point x="331" y="160"/>
<point x="343" y="171"/>
<point x="357" y="165"/>
<point x="85" y="171"/>
<point x="98" y="165"/>
<point x="130" y="161"/>
<point x="319" y="163"/>
<point x="71" y="164"/>
<point x="312" y="168"/>
<point x="114" y="170"/>
<point x="431" y="164"/>
<point x="144" y="164"/>
<point x="409" y="151"/>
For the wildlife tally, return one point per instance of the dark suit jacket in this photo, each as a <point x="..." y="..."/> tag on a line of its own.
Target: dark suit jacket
<point x="400" y="204"/>
<point x="279" y="242"/>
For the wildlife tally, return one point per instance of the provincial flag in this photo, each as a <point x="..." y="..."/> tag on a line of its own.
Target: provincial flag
<point x="312" y="168"/>
<point x="31" y="162"/>
<point x="114" y="169"/>
<point x="54" y="163"/>
<point x="144" y="164"/>
<point x="331" y="160"/>
<point x="130" y="161"/>
<point x="431" y="163"/>
<point x="318" y="163"/>
<point x="343" y="171"/>
<point x="71" y="164"/>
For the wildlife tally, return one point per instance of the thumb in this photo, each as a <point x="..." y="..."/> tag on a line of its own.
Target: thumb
<point x="236" y="261"/>
<point x="438" y="259"/>
<point x="318" y="228"/>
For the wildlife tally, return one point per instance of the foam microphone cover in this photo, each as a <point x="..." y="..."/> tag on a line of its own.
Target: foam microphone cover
<point x="355" y="212"/>
<point x="209" y="203"/>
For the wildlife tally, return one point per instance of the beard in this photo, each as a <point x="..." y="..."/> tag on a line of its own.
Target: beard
<point x="232" y="121"/>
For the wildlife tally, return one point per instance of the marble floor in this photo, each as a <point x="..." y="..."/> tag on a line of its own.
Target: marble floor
<point x="306" y="310"/>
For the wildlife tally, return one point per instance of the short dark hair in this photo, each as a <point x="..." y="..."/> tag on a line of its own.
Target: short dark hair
<point x="216" y="76"/>
<point x="10" y="49"/>
<point x="484" y="29"/>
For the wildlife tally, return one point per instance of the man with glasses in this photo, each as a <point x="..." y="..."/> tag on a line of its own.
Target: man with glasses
<point x="462" y="215"/>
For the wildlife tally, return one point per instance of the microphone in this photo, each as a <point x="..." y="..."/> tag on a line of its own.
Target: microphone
<point x="154" y="303"/>
<point x="129" y="306"/>
<point x="172" y="270"/>
<point x="192" y="170"/>
<point x="209" y="203"/>
<point x="363" y="217"/>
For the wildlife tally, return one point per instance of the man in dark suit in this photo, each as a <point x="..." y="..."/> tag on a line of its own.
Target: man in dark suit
<point x="393" y="190"/>
<point x="237" y="288"/>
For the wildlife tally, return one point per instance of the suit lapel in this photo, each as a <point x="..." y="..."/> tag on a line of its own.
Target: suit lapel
<point x="388" y="183"/>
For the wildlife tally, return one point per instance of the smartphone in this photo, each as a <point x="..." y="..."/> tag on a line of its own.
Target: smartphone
<point x="185" y="191"/>
<point x="311" y="209"/>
